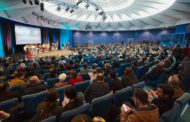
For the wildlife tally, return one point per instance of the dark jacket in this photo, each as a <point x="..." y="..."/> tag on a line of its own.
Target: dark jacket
<point x="96" y="89"/>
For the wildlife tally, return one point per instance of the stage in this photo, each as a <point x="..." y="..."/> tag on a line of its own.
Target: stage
<point x="55" y="53"/>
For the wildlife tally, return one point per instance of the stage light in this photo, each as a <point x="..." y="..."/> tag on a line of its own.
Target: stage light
<point x="87" y="5"/>
<point x="67" y="9"/>
<point x="24" y="1"/>
<point x="42" y="6"/>
<point x="97" y="9"/>
<point x="37" y="2"/>
<point x="58" y="8"/>
<point x="79" y="2"/>
<point x="31" y="3"/>
<point x="72" y="11"/>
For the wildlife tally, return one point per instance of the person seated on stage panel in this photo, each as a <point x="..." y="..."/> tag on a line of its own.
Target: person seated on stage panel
<point x="28" y="53"/>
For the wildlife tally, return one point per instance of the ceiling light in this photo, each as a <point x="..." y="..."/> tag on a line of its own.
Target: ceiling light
<point x="67" y="9"/>
<point x="79" y="2"/>
<point x="58" y="8"/>
<point x="31" y="3"/>
<point x="24" y="1"/>
<point x="87" y="5"/>
<point x="37" y="2"/>
<point x="72" y="11"/>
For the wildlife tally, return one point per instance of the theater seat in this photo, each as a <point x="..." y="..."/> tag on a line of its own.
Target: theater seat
<point x="160" y="79"/>
<point x="171" y="116"/>
<point x="68" y="115"/>
<point x="8" y="104"/>
<point x="138" y="85"/>
<point x="51" y="82"/>
<point x="60" y="91"/>
<point x="100" y="106"/>
<point x="32" y="101"/>
<point x="81" y="86"/>
<point x="122" y="96"/>
<point x="50" y="119"/>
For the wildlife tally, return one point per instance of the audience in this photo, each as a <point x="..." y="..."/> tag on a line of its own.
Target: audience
<point x="18" y="80"/>
<point x="174" y="82"/>
<point x="96" y="89"/>
<point x="163" y="97"/>
<point x="6" y="93"/>
<point x="71" y="101"/>
<point x="62" y="77"/>
<point x="129" y="78"/>
<point x="74" y="78"/>
<point x="48" y="108"/>
<point x="84" y="69"/>
<point x="82" y="118"/>
<point x="145" y="112"/>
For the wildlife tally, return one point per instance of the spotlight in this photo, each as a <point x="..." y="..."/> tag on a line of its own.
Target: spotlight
<point x="72" y="11"/>
<point x="97" y="9"/>
<point x="31" y="3"/>
<point x="24" y="1"/>
<point x="87" y="5"/>
<point x="79" y="2"/>
<point x="58" y="8"/>
<point x="37" y="2"/>
<point x="42" y="6"/>
<point x="67" y="9"/>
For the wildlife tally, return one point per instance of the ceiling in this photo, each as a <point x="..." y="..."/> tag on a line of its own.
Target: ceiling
<point x="120" y="14"/>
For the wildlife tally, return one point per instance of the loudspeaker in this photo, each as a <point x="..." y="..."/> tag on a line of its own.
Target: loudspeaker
<point x="37" y="2"/>
<point x="24" y="1"/>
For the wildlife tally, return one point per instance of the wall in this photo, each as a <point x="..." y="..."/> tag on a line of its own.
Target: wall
<point x="82" y="37"/>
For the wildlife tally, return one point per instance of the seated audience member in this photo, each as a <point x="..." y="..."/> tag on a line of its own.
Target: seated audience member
<point x="61" y="82"/>
<point x="163" y="97"/>
<point x="107" y="69"/>
<point x="155" y="71"/>
<point x="82" y="118"/>
<point x="96" y="89"/>
<point x="71" y="100"/>
<point x="129" y="78"/>
<point x="144" y="112"/>
<point x="84" y="69"/>
<point x="185" y="73"/>
<point x="49" y="107"/>
<point x="5" y="93"/>
<point x="74" y="78"/>
<point x="93" y="68"/>
<point x="186" y="50"/>
<point x="18" y="80"/>
<point x="53" y="73"/>
<point x="174" y="82"/>
<point x="35" y="85"/>
<point x="114" y="83"/>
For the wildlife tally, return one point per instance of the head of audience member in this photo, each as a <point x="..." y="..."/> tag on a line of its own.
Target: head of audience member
<point x="68" y="66"/>
<point x="174" y="81"/>
<point x="53" y="72"/>
<point x="34" y="80"/>
<point x="85" y="66"/>
<point x="70" y="93"/>
<point x="18" y="74"/>
<point x="140" y="97"/>
<point x="112" y="74"/>
<point x="51" y="96"/>
<point x="129" y="72"/>
<point x="99" y="70"/>
<point x="165" y="91"/>
<point x="93" y="67"/>
<point x="62" y="77"/>
<point x="73" y="74"/>
<point x="100" y="78"/>
<point x="22" y="66"/>
<point x="82" y="118"/>
<point x="98" y="119"/>
<point x="3" y="86"/>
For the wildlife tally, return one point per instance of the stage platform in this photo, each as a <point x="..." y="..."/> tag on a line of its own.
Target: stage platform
<point x="55" y="53"/>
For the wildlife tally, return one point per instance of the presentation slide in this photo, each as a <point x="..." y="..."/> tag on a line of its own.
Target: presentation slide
<point x="27" y="35"/>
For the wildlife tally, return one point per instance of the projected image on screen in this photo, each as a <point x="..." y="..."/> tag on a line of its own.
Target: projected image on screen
<point x="27" y="35"/>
